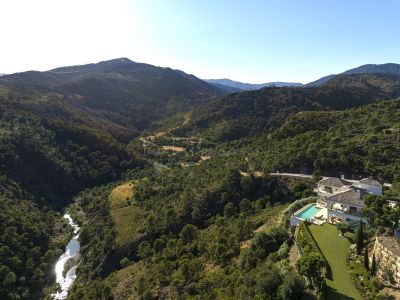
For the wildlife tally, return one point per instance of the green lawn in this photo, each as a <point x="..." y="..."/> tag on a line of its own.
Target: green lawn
<point x="335" y="249"/>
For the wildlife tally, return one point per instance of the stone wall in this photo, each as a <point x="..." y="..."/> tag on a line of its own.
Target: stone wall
<point x="387" y="256"/>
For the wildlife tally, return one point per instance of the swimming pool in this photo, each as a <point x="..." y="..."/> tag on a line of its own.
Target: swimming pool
<point x="309" y="212"/>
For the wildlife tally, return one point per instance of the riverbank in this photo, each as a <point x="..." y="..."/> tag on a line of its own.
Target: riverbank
<point x="65" y="277"/>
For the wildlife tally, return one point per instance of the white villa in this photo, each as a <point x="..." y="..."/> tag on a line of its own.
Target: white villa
<point x="339" y="200"/>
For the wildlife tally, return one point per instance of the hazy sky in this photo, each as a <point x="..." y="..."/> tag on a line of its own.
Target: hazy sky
<point x="250" y="41"/>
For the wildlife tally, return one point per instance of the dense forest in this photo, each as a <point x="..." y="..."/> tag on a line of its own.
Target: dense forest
<point x="355" y="142"/>
<point x="32" y="236"/>
<point x="197" y="237"/>
<point x="62" y="131"/>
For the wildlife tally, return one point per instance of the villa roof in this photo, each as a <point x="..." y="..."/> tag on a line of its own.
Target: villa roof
<point x="370" y="181"/>
<point x="347" y="197"/>
<point x="334" y="182"/>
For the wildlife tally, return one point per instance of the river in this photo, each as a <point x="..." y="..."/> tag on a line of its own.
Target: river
<point x="71" y="251"/>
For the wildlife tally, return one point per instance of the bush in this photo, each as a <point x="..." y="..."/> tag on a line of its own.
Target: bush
<point x="124" y="262"/>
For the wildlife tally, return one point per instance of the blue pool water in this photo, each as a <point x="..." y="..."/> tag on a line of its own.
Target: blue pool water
<point x="309" y="212"/>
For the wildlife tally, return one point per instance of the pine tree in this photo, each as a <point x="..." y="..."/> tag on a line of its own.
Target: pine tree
<point x="373" y="266"/>
<point x="366" y="261"/>
<point x="360" y="238"/>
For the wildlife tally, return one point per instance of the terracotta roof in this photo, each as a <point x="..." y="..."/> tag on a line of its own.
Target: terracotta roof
<point x="347" y="197"/>
<point x="335" y="182"/>
<point x="370" y="181"/>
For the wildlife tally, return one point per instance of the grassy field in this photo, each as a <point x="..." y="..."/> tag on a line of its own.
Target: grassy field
<point x="119" y="197"/>
<point x="335" y="248"/>
<point x="128" y="216"/>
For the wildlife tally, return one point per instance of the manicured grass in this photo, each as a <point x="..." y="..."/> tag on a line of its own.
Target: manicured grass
<point x="335" y="249"/>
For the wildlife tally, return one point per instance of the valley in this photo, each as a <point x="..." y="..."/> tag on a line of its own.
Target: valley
<point x="176" y="183"/>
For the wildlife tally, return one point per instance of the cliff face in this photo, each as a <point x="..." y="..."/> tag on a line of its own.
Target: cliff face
<point x="387" y="254"/>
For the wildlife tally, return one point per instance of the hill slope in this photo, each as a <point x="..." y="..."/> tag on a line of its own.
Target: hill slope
<point x="62" y="131"/>
<point x="356" y="142"/>
<point x="389" y="68"/>
<point x="254" y="112"/>
<point x="122" y="91"/>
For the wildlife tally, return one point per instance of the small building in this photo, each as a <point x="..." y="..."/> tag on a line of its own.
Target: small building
<point x="371" y="185"/>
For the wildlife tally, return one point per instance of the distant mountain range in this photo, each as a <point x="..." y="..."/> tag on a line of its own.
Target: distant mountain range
<point x="231" y="86"/>
<point x="236" y="86"/>
<point x="255" y="112"/>
<point x="389" y="68"/>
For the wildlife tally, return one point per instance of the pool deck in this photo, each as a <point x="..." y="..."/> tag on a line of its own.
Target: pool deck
<point x="319" y="218"/>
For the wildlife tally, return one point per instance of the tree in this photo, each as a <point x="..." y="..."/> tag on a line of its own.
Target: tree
<point x="366" y="261"/>
<point x="144" y="250"/>
<point x="317" y="175"/>
<point x="245" y="206"/>
<point x="188" y="233"/>
<point x="383" y="296"/>
<point x="343" y="227"/>
<point x="360" y="238"/>
<point x="310" y="265"/>
<point x="229" y="210"/>
<point x="267" y="281"/>
<point x="373" y="265"/>
<point x="124" y="262"/>
<point x="292" y="287"/>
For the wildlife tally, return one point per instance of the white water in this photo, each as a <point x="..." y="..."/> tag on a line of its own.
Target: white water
<point x="71" y="250"/>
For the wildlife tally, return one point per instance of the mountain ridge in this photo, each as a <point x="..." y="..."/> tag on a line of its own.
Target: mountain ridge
<point x="250" y="113"/>
<point x="387" y="68"/>
<point x="241" y="86"/>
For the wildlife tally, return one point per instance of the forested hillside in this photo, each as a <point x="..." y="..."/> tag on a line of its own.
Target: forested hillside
<point x="62" y="131"/>
<point x="170" y="183"/>
<point x="121" y="91"/>
<point x="200" y="233"/>
<point x="251" y="113"/>
<point x="32" y="237"/>
<point x="356" y="142"/>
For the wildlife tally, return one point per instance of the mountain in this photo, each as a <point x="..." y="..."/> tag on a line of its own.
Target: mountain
<point x="389" y="68"/>
<point x="320" y="81"/>
<point x="253" y="112"/>
<point x="240" y="86"/>
<point x="122" y="91"/>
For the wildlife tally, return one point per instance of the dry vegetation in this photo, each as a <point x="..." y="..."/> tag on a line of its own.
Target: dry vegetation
<point x="128" y="216"/>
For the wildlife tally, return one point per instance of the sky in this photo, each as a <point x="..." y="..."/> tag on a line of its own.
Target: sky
<point x="249" y="40"/>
